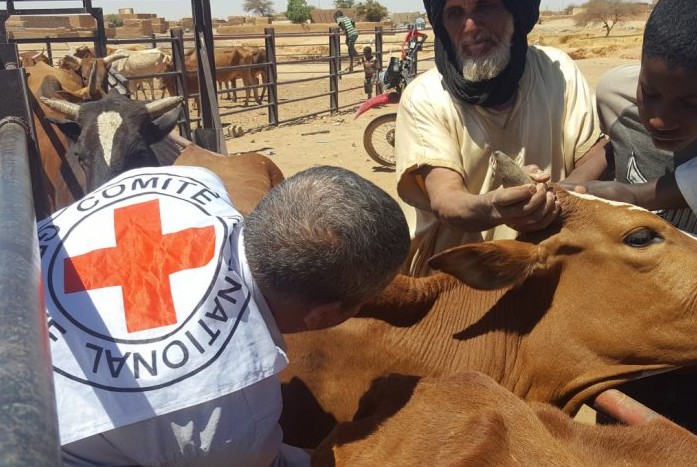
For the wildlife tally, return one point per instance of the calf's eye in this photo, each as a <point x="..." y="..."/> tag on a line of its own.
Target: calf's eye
<point x="642" y="237"/>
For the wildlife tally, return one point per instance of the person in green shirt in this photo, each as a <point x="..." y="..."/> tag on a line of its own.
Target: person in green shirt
<point x="349" y="27"/>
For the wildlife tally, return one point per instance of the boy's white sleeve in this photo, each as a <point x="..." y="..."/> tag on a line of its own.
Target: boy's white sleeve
<point x="686" y="178"/>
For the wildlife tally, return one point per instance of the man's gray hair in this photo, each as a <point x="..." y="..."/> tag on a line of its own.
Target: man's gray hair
<point x="324" y="235"/>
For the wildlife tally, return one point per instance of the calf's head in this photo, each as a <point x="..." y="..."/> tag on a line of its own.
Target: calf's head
<point x="619" y="285"/>
<point x="112" y="135"/>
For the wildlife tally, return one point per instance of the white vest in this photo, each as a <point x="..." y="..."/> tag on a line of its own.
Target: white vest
<point x="147" y="313"/>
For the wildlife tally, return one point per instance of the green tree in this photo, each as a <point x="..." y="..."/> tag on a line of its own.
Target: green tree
<point x="371" y="10"/>
<point x="259" y="7"/>
<point x="298" y="11"/>
<point x="344" y="3"/>
<point x="608" y="13"/>
<point x="113" y="20"/>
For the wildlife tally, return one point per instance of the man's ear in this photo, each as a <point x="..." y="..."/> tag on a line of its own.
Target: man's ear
<point x="328" y="314"/>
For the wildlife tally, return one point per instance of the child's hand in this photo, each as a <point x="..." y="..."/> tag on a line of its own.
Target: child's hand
<point x="615" y="191"/>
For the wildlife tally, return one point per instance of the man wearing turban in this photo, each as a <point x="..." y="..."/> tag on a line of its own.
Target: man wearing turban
<point x="488" y="91"/>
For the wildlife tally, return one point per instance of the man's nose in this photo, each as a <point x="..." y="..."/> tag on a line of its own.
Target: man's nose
<point x="471" y="24"/>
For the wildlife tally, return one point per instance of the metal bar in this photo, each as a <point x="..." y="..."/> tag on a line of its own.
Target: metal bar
<point x="334" y="67"/>
<point x="3" y="27"/>
<point x="28" y="420"/>
<point x="203" y="34"/>
<point x="210" y="136"/>
<point x="304" y="80"/>
<point x="378" y="47"/>
<point x="272" y="74"/>
<point x="16" y="103"/>
<point x="49" y="52"/>
<point x="49" y="11"/>
<point x="100" y="40"/>
<point x="177" y="36"/>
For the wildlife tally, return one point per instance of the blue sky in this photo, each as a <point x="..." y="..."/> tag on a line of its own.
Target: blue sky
<point x="175" y="9"/>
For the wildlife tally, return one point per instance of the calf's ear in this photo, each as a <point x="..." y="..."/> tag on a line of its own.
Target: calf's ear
<point x="162" y="125"/>
<point x="489" y="265"/>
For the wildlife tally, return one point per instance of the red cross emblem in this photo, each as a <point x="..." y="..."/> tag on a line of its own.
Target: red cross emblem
<point x="141" y="263"/>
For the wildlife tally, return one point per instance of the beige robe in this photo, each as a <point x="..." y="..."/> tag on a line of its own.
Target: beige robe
<point x="552" y="123"/>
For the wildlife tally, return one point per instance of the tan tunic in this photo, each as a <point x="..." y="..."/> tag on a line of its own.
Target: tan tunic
<point x="552" y="123"/>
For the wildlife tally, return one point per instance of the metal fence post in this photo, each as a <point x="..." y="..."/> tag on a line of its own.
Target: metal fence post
<point x="203" y="36"/>
<point x="378" y="46"/>
<point x="334" y="67"/>
<point x="270" y="42"/>
<point x="100" y="40"/>
<point x="49" y="51"/>
<point x="180" y="80"/>
<point x="28" y="418"/>
<point x="3" y="27"/>
<point x="378" y="58"/>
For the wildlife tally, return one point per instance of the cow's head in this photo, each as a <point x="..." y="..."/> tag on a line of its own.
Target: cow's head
<point x="82" y="68"/>
<point x="618" y="284"/>
<point x="608" y="289"/>
<point x="112" y="135"/>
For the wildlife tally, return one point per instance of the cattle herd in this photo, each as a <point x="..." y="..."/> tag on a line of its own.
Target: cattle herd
<point x="480" y="364"/>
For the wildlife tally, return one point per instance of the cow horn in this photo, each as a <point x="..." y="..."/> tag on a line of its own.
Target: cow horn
<point x="160" y="106"/>
<point x="77" y="59"/>
<point x="38" y="54"/>
<point x="66" y="108"/>
<point x="510" y="173"/>
<point x="92" y="83"/>
<point x="111" y="58"/>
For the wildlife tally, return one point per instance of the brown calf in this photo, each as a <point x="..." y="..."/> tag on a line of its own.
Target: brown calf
<point x="468" y="419"/>
<point x="604" y="295"/>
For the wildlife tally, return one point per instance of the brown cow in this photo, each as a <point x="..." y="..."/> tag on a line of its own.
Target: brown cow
<point x="31" y="58"/>
<point x="81" y="68"/>
<point x="235" y="56"/>
<point x="604" y="295"/>
<point x="223" y="58"/>
<point x="259" y="73"/>
<point x="468" y="419"/>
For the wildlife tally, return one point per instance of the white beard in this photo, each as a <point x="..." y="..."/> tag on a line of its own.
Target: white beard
<point x="476" y="69"/>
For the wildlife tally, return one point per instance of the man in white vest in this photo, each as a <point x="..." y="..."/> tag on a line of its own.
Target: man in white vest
<point x="165" y="308"/>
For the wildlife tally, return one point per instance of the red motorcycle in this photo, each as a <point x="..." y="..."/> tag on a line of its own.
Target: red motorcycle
<point x="378" y="137"/>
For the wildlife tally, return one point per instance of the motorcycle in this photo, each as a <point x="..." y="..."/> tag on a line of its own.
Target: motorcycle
<point x="378" y="137"/>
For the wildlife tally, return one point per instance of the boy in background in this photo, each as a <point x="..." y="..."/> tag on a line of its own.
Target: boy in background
<point x="649" y="112"/>
<point x="370" y="70"/>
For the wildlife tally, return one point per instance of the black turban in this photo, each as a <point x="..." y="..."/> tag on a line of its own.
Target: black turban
<point x="500" y="89"/>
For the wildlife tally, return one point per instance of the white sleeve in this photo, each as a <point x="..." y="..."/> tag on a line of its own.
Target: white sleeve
<point x="686" y="178"/>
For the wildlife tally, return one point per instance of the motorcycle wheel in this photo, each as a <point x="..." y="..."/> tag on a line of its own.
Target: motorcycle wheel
<point x="378" y="139"/>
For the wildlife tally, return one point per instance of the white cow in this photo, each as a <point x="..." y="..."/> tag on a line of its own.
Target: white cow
<point x="141" y="62"/>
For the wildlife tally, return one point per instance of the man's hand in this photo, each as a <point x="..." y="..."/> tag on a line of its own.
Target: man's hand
<point x="525" y="208"/>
